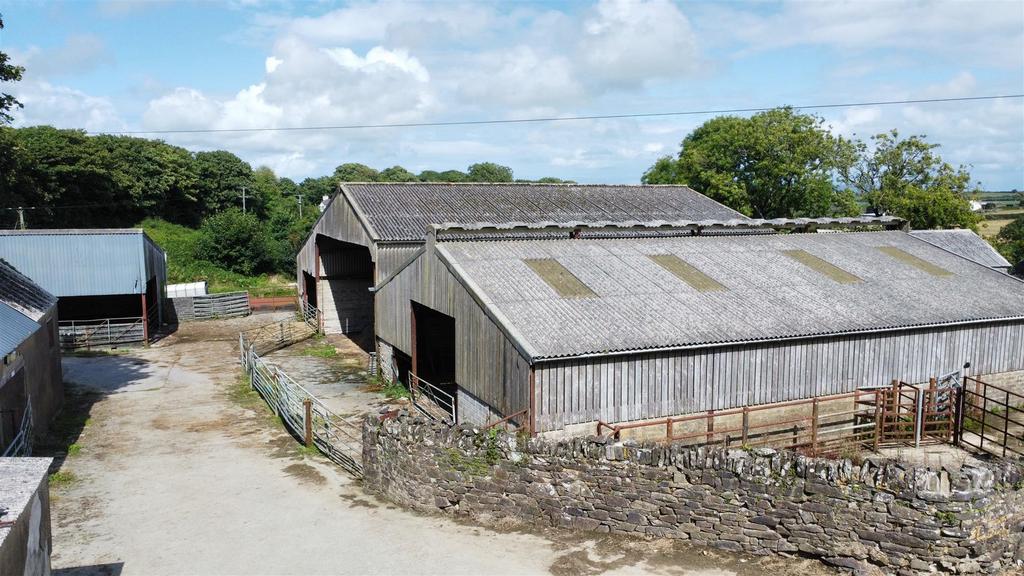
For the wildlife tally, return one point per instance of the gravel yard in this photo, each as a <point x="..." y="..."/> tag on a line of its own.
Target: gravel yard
<point x="179" y="469"/>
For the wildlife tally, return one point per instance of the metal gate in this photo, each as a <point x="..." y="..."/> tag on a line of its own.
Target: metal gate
<point x="909" y="414"/>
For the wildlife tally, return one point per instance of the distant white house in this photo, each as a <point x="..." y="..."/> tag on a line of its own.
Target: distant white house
<point x="976" y="206"/>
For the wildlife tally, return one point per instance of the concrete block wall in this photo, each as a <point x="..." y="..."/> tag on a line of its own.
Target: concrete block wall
<point x="873" y="515"/>
<point x="472" y="410"/>
<point x="24" y="490"/>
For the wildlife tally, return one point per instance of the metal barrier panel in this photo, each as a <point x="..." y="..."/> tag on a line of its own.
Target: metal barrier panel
<point x="303" y="414"/>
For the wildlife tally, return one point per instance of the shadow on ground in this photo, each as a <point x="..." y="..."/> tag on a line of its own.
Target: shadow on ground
<point x="80" y="394"/>
<point x="111" y="569"/>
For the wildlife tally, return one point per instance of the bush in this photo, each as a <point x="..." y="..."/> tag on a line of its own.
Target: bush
<point x="235" y="241"/>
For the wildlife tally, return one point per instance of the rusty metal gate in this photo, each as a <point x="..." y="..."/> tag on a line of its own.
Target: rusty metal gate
<point x="909" y="414"/>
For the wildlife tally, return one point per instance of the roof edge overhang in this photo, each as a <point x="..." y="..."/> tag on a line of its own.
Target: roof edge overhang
<point x="541" y="359"/>
<point x="453" y="231"/>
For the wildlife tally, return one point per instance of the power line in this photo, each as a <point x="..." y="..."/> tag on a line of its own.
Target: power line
<point x="563" y="118"/>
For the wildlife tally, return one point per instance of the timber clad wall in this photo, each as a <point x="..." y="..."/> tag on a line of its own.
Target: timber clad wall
<point x="641" y="386"/>
<point x="487" y="364"/>
<point x="339" y="221"/>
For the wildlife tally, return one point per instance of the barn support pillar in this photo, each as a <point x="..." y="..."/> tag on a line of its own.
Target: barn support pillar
<point x="145" y="320"/>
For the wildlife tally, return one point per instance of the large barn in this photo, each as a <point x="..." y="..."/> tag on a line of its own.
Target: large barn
<point x="965" y="243"/>
<point x="31" y="386"/>
<point x="578" y="329"/>
<point x="110" y="283"/>
<point x="369" y="230"/>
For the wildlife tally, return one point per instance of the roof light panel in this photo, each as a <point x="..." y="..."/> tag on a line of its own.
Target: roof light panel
<point x="559" y="278"/>
<point x="916" y="262"/>
<point x="687" y="272"/>
<point x="822" y="266"/>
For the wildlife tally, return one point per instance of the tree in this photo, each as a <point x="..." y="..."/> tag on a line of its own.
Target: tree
<point x="488" y="172"/>
<point x="8" y="73"/>
<point x="775" y="164"/>
<point x="221" y="177"/>
<point x="905" y="177"/>
<point x="1010" y="241"/>
<point x="352" y="172"/>
<point x="235" y="241"/>
<point x="396" y="174"/>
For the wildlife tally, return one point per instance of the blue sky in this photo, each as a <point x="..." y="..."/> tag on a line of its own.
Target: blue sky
<point x="151" y="65"/>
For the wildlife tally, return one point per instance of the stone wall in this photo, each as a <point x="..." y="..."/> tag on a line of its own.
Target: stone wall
<point x="880" y="513"/>
<point x="24" y="492"/>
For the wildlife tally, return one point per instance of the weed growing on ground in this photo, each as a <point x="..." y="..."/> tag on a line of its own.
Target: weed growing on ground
<point x="390" y="390"/>
<point x="74" y="449"/>
<point x="62" y="479"/>
<point x="308" y="451"/>
<point x="321" y="351"/>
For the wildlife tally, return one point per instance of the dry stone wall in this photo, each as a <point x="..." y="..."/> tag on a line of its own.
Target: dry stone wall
<point x="873" y="515"/>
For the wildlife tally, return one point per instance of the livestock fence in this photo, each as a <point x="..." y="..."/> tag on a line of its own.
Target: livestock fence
<point x="967" y="412"/>
<point x="21" y="444"/>
<point x="75" y="334"/>
<point x="210" y="306"/>
<point x="303" y="414"/>
<point x="276" y="335"/>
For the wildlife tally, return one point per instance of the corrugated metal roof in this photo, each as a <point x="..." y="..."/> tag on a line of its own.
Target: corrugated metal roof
<point x="397" y="211"/>
<point x="22" y="294"/>
<point x="16" y="328"/>
<point x="965" y="243"/>
<point x="22" y="304"/>
<point x="79" y="262"/>
<point x="768" y="295"/>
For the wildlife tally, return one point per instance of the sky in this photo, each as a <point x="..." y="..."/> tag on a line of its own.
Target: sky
<point x="131" y="65"/>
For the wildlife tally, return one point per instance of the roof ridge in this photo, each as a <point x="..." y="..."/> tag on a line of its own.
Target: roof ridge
<point x="565" y="184"/>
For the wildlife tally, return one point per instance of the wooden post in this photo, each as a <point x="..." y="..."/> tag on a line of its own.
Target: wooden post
<point x="412" y="324"/>
<point x="533" y="403"/>
<point x="711" y="426"/>
<point x="746" y="424"/>
<point x="145" y="321"/>
<point x="1006" y="422"/>
<point x="308" y="404"/>
<point x="668" y="429"/>
<point x="878" y="417"/>
<point x="814" y="425"/>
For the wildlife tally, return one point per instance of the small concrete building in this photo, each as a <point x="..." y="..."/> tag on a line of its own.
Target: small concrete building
<point x="31" y="383"/>
<point x="368" y="230"/>
<point x="594" y="327"/>
<point x="110" y="283"/>
<point x="26" y="543"/>
<point x="967" y="244"/>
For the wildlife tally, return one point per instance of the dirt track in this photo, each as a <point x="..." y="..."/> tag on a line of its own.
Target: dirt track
<point x="182" y="471"/>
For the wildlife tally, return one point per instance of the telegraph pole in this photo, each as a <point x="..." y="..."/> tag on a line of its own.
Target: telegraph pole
<point x="243" y="199"/>
<point x="21" y="218"/>
<point x="299" y="198"/>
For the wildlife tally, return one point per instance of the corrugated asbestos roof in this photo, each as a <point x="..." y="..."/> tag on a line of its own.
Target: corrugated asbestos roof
<point x="79" y="262"/>
<point x="22" y="304"/>
<point x="767" y="295"/>
<point x="397" y="211"/>
<point x="965" y="243"/>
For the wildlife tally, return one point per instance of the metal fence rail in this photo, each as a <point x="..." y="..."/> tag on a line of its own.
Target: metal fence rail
<point x="303" y="414"/>
<point x="990" y="419"/>
<point x="226" y="305"/>
<point x="269" y="337"/>
<point x="21" y="445"/>
<point x="431" y="400"/>
<point x="100" y="332"/>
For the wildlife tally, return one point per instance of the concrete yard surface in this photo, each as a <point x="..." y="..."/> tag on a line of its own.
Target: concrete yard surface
<point x="180" y="469"/>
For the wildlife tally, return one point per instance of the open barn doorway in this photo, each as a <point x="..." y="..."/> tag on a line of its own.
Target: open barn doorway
<point x="344" y="297"/>
<point x="433" y="359"/>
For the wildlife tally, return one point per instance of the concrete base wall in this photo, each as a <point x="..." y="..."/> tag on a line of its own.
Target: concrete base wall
<point x="386" y="361"/>
<point x="44" y="378"/>
<point x="472" y="410"/>
<point x="24" y="490"/>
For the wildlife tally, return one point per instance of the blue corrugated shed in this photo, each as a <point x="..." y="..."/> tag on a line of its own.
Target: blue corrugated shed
<point x="84" y="262"/>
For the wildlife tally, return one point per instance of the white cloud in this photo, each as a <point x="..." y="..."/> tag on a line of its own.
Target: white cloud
<point x="991" y="30"/>
<point x="272" y="64"/>
<point x="78" y="54"/>
<point x="626" y="42"/>
<point x="63" y="107"/>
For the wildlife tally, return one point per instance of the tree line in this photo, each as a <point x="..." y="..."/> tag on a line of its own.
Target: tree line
<point x="783" y="164"/>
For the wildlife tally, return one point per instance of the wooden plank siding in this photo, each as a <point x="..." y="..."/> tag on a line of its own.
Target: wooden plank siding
<point x="487" y="364"/>
<point x="652" y="385"/>
<point x="340" y="222"/>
